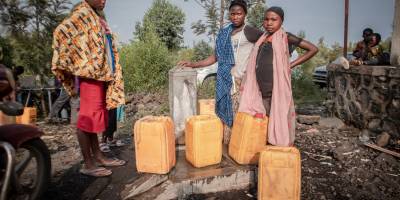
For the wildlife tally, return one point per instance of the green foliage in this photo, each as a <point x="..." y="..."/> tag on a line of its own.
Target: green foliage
<point x="202" y="50"/>
<point x="386" y="44"/>
<point x="5" y="52"/>
<point x="183" y="54"/>
<point x="146" y="63"/>
<point x="211" y="26"/>
<point x="255" y="16"/>
<point x="34" y="56"/>
<point x="324" y="56"/>
<point x="29" y="29"/>
<point x="304" y="90"/>
<point x="168" y="21"/>
<point x="13" y="16"/>
<point x="207" y="89"/>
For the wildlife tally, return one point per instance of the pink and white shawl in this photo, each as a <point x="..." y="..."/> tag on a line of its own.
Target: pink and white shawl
<point x="250" y="96"/>
<point x="281" y="126"/>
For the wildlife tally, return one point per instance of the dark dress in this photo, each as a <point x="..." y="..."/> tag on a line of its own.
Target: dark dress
<point x="264" y="70"/>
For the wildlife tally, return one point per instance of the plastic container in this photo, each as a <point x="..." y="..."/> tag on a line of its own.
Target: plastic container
<point x="203" y="139"/>
<point x="279" y="174"/>
<point x="154" y="144"/>
<point x="249" y="137"/>
<point x="206" y="107"/>
<point x="29" y="116"/>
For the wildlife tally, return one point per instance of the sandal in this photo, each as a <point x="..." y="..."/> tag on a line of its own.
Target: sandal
<point x="113" y="163"/>
<point x="104" y="147"/>
<point x="115" y="143"/>
<point x="96" y="172"/>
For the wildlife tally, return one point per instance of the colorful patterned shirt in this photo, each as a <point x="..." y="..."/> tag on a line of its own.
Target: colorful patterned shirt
<point x="79" y="46"/>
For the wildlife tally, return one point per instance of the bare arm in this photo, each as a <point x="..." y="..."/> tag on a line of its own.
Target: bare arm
<point x="202" y="63"/>
<point x="311" y="50"/>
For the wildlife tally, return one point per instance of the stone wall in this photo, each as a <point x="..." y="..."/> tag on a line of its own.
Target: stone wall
<point x="367" y="97"/>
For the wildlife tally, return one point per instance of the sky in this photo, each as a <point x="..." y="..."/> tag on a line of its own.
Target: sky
<point x="318" y="18"/>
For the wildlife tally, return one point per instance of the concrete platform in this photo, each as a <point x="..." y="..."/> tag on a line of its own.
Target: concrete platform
<point x="184" y="180"/>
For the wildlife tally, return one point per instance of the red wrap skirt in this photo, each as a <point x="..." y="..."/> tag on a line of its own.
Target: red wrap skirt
<point x="93" y="115"/>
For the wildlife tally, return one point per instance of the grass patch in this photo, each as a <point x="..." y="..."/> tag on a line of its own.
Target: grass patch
<point x="305" y="91"/>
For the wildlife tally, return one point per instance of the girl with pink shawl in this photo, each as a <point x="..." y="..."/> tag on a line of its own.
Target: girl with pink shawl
<point x="280" y="108"/>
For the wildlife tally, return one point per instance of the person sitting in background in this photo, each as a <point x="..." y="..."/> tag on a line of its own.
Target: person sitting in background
<point x="360" y="51"/>
<point x="375" y="51"/>
<point x="373" y="54"/>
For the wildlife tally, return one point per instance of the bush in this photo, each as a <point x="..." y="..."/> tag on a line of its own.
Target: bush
<point x="304" y="90"/>
<point x="201" y="50"/>
<point x="146" y="63"/>
<point x="182" y="54"/>
<point x="207" y="89"/>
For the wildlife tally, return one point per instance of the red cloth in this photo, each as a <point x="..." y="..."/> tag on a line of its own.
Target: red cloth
<point x="93" y="115"/>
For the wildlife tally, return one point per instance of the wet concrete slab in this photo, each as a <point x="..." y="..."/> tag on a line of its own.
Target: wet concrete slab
<point x="183" y="180"/>
<point x="185" y="171"/>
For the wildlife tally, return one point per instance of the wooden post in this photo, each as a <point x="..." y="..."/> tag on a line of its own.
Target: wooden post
<point x="395" y="50"/>
<point x="346" y="26"/>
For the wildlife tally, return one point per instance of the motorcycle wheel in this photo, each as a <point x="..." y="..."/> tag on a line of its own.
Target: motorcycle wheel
<point x="33" y="170"/>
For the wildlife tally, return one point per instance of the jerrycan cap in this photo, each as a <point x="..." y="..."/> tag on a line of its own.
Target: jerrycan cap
<point x="259" y="115"/>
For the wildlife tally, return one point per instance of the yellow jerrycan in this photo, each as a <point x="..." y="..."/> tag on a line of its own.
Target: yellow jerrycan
<point x="154" y="144"/>
<point x="203" y="139"/>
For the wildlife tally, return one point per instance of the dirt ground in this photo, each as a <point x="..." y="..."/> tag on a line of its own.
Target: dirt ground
<point x="335" y="164"/>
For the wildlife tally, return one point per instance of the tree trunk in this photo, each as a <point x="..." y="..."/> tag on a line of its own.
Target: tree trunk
<point x="395" y="51"/>
<point x="222" y="14"/>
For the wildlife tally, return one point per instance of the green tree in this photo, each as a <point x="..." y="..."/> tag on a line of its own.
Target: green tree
<point x="168" y="21"/>
<point x="6" y="52"/>
<point x="13" y="17"/>
<point x="255" y="17"/>
<point x="146" y="62"/>
<point x="386" y="44"/>
<point x="213" y="23"/>
<point x="29" y="27"/>
<point x="55" y="13"/>
<point x="335" y="51"/>
<point x="183" y="54"/>
<point x="324" y="56"/>
<point x="201" y="50"/>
